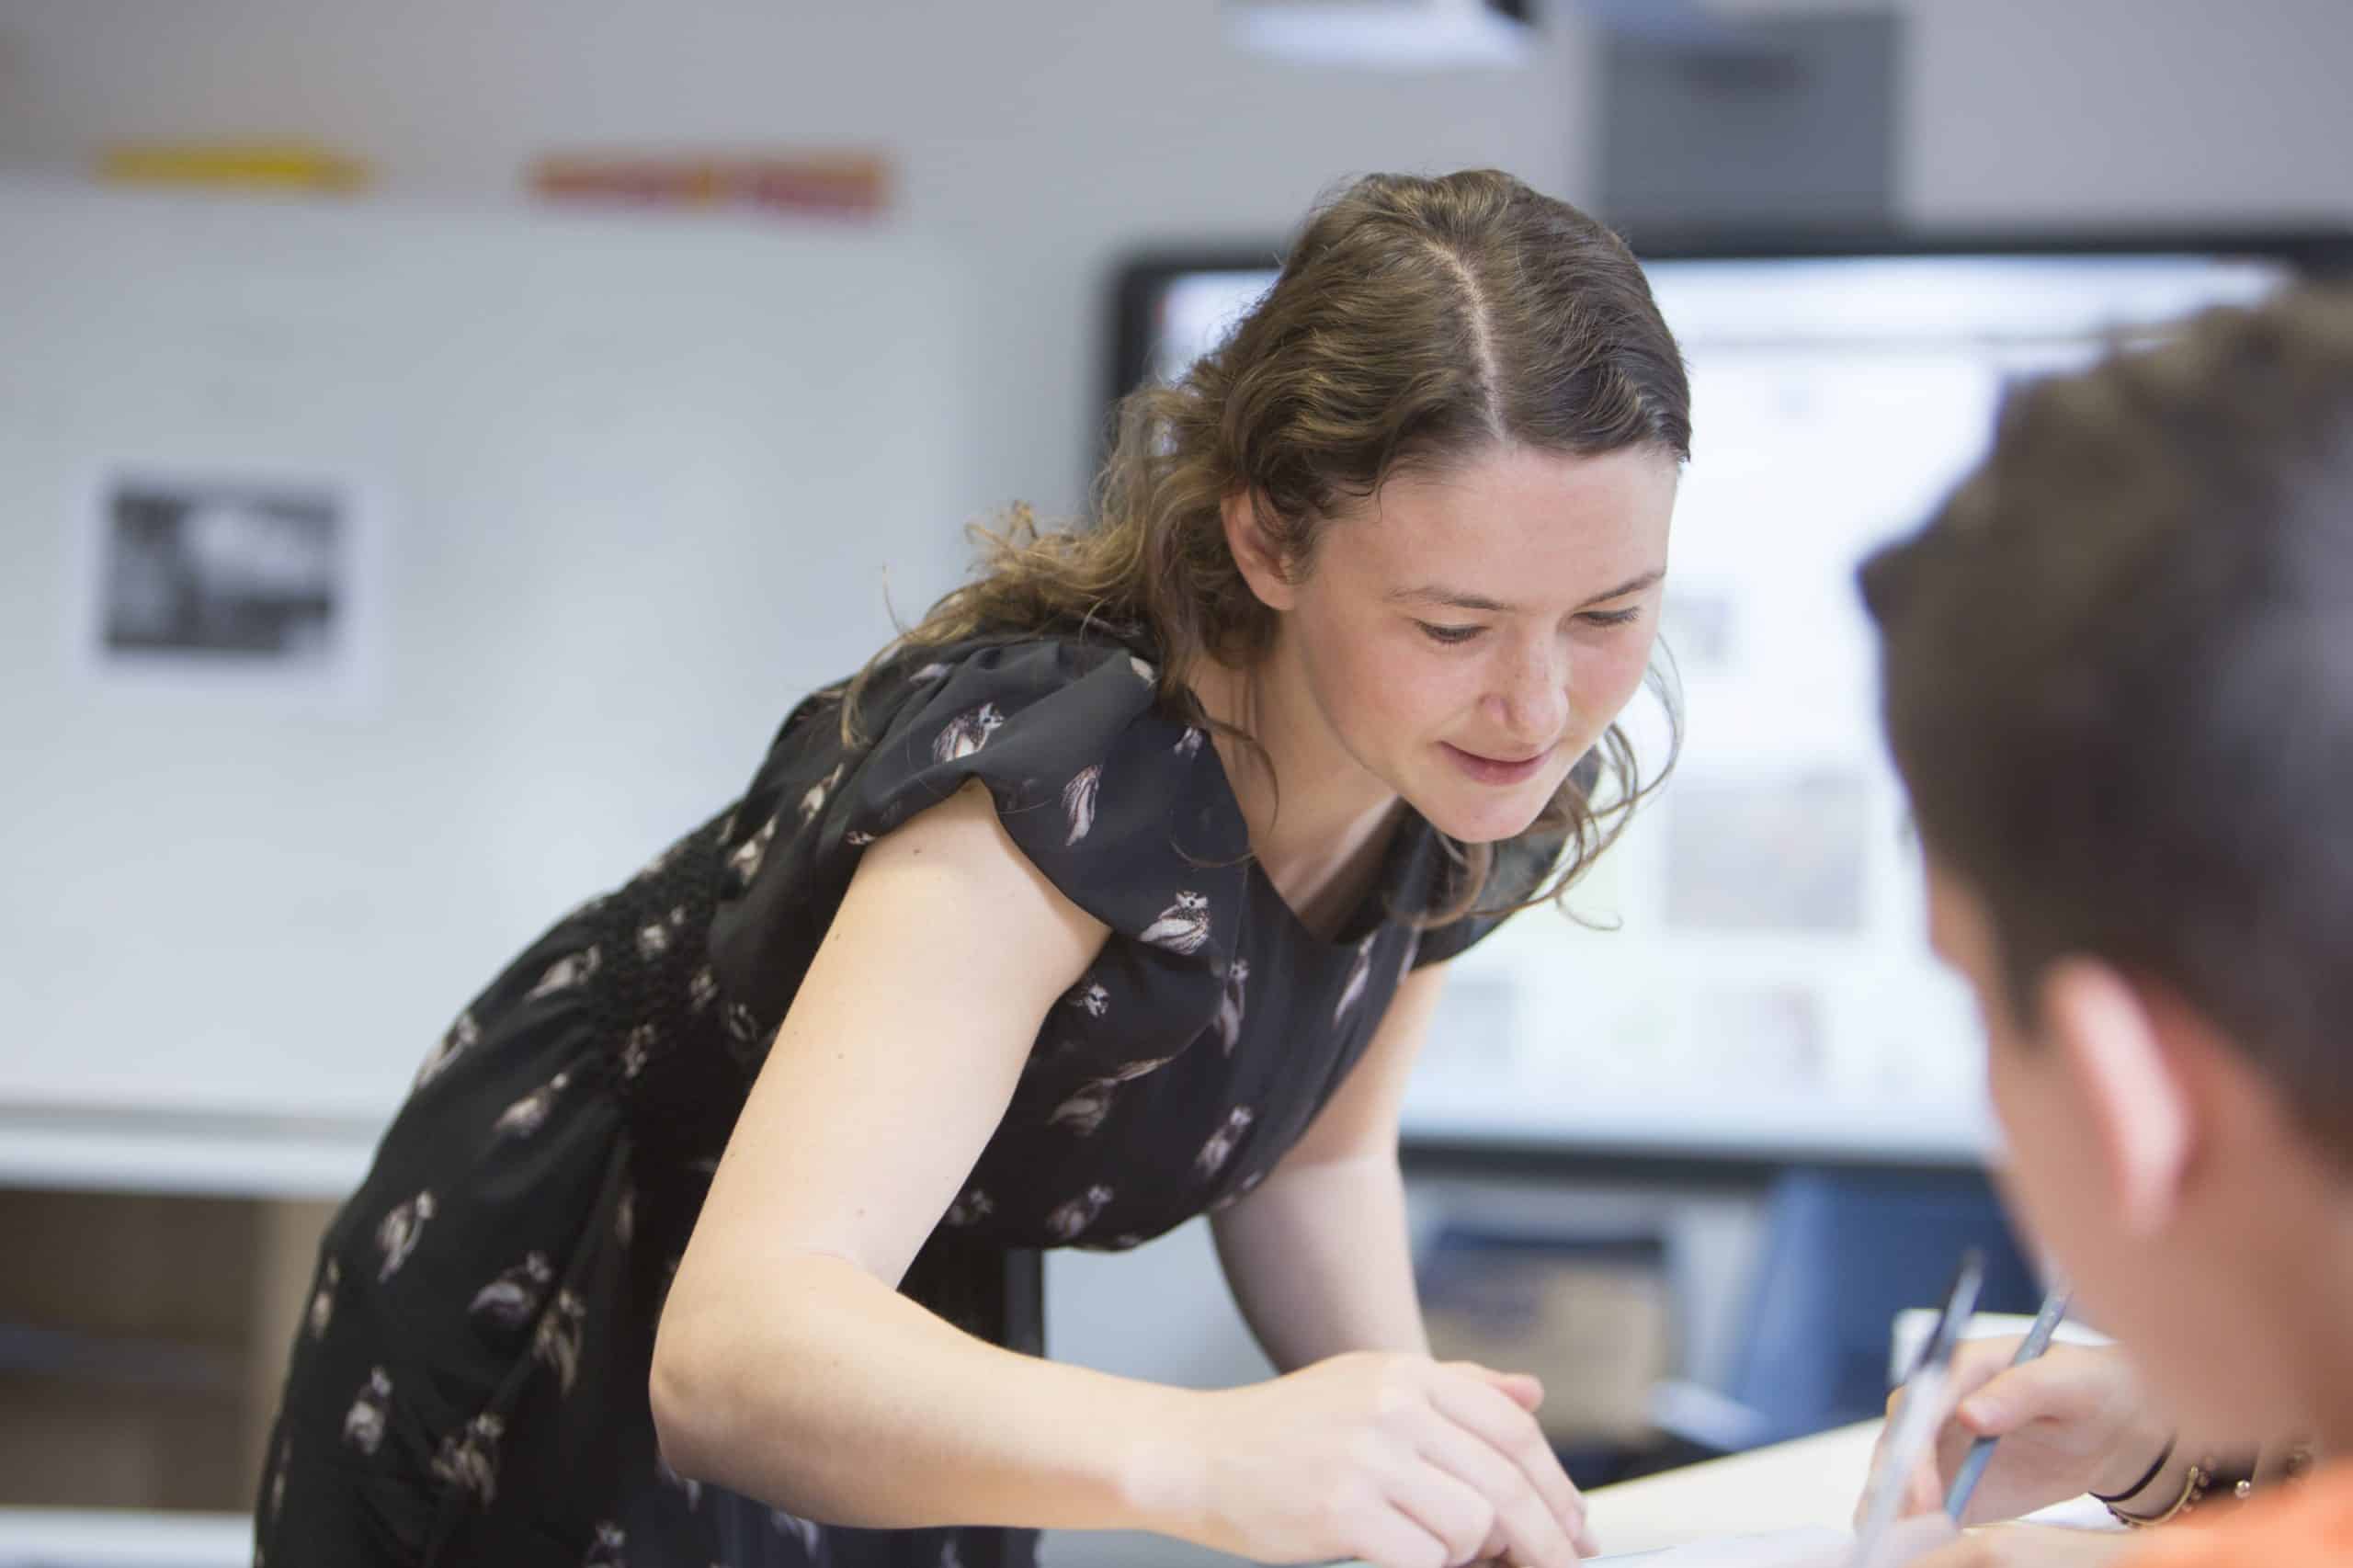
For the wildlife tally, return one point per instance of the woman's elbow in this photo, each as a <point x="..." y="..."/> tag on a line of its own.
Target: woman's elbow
<point x="688" y="1411"/>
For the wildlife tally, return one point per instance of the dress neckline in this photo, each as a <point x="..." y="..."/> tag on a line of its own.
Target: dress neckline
<point x="1370" y="914"/>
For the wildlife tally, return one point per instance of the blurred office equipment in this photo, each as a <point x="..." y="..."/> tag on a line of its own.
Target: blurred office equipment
<point x="1782" y="118"/>
<point x="1384" y="35"/>
<point x="1592" y="1316"/>
<point x="1843" y="1256"/>
<point x="1766" y="992"/>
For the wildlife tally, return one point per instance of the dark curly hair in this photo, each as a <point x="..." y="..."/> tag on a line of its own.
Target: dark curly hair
<point x="2118" y="680"/>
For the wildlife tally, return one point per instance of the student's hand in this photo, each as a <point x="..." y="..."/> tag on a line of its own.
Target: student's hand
<point x="1399" y="1460"/>
<point x="2075" y="1420"/>
<point x="2029" y="1546"/>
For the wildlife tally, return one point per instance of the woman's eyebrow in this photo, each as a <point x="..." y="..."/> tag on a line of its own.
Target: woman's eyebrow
<point x="1456" y="598"/>
<point x="1453" y="598"/>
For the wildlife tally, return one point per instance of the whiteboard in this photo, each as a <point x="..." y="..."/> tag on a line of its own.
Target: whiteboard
<point x="618" y="491"/>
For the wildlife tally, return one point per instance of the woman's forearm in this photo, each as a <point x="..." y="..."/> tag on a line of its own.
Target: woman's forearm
<point x="1319" y="1261"/>
<point x="839" y="1400"/>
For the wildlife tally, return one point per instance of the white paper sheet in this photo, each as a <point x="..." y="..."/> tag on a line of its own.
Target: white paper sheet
<point x="1773" y="1549"/>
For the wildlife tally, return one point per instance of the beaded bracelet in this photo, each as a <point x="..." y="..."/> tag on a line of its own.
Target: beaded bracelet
<point x="2237" y="1483"/>
<point x="2193" y="1486"/>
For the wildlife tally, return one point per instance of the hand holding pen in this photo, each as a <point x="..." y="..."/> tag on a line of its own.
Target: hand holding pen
<point x="2074" y="1420"/>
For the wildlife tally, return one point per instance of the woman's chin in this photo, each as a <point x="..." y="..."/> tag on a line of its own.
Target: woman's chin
<point x="1490" y="821"/>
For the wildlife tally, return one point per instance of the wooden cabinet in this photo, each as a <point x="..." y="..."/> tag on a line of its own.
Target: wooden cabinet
<point x="141" y="1341"/>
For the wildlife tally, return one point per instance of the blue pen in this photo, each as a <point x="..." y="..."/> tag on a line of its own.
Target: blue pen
<point x="2037" y="1340"/>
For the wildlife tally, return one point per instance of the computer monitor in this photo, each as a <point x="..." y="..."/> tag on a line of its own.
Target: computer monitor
<point x="1767" y="990"/>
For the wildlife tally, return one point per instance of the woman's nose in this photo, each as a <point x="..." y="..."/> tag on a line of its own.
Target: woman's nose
<point x="1532" y="702"/>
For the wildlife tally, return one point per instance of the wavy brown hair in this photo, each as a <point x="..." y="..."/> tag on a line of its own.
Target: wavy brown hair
<point x="1415" y="323"/>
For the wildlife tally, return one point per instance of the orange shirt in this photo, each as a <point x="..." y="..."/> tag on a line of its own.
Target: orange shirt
<point x="2302" y="1526"/>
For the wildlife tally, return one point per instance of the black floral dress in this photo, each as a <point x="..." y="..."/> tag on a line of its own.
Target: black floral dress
<point x="469" y="1384"/>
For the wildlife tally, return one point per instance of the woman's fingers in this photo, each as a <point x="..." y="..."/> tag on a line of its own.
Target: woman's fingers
<point x="1386" y="1538"/>
<point x="1533" y="1533"/>
<point x="1450" y="1506"/>
<point x="1473" y="1403"/>
<point x="1524" y="1390"/>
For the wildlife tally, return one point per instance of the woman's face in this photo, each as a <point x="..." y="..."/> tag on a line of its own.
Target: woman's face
<point x="1467" y="635"/>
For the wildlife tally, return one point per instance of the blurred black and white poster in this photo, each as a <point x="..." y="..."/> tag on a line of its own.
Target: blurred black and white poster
<point x="260" y="584"/>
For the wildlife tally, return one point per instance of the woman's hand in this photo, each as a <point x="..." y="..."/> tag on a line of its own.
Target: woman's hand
<point x="2075" y="1420"/>
<point x="1398" y="1460"/>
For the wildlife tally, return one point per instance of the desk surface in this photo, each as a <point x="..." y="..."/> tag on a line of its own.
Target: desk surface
<point x="1812" y="1480"/>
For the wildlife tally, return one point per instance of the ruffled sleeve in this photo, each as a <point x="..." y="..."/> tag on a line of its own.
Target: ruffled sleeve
<point x="1111" y="800"/>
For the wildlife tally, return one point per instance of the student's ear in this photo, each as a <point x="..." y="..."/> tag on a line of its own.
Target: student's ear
<point x="1261" y="563"/>
<point x="2133" y="1085"/>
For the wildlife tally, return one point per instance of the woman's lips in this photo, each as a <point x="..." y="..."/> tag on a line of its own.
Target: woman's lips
<point x="1495" y="770"/>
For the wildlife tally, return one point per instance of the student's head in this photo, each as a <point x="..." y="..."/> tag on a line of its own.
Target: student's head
<point x="1433" y="467"/>
<point x="2119" y="684"/>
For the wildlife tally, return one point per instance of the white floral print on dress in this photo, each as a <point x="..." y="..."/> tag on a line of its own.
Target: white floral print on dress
<point x="967" y="733"/>
<point x="453" y="1043"/>
<point x="556" y="1342"/>
<point x="813" y="800"/>
<point x="1359" y="973"/>
<point x="743" y="860"/>
<point x="322" y="1299"/>
<point x="605" y="1552"/>
<point x="1070" y="1220"/>
<point x="1182" y="927"/>
<point x="793" y="1524"/>
<point x="399" y="1231"/>
<point x="1229" y="1006"/>
<point x="469" y="1460"/>
<point x="1084" y="1111"/>
<point x="1078" y="802"/>
<point x="572" y="970"/>
<point x="363" y="1424"/>
<point x="529" y="1114"/>
<point x="513" y="1299"/>
<point x="1221" y="1146"/>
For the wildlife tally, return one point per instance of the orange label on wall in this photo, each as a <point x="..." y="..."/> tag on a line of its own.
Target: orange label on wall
<point x="854" y="185"/>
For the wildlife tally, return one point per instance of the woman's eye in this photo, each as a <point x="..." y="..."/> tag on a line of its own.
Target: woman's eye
<point x="1450" y="635"/>
<point x="1611" y="616"/>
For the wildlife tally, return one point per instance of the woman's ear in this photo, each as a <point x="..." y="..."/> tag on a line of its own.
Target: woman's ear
<point x="1255" y="552"/>
<point x="2143" y="1119"/>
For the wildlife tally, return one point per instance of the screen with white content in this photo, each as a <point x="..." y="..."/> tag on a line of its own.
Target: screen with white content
<point x="1753" y="973"/>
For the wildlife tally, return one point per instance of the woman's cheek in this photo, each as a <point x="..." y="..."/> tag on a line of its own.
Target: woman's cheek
<point x="1610" y="676"/>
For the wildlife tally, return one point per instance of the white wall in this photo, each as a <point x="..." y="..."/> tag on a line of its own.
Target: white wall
<point x="634" y="488"/>
<point x="1043" y="135"/>
<point x="1038" y="135"/>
